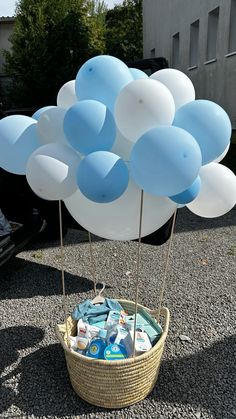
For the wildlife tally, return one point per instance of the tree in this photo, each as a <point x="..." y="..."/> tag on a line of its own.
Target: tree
<point x="124" y="34"/>
<point x="96" y="12"/>
<point x="50" y="41"/>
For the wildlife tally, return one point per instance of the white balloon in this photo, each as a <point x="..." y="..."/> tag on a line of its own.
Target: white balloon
<point x="50" y="126"/>
<point x="222" y="155"/>
<point x="122" y="147"/>
<point x="218" y="191"/>
<point x="119" y="220"/>
<point x="66" y="96"/>
<point x="141" y="105"/>
<point x="178" y="83"/>
<point x="52" y="171"/>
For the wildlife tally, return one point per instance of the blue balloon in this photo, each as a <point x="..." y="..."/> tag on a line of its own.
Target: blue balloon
<point x="138" y="74"/>
<point x="89" y="126"/>
<point x="209" y="124"/>
<point x="39" y="112"/>
<point x="102" y="177"/>
<point x="18" y="140"/>
<point x="102" y="78"/>
<point x="189" y="195"/>
<point x="165" y="161"/>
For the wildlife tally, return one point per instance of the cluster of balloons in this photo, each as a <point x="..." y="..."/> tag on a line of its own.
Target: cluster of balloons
<point x="114" y="132"/>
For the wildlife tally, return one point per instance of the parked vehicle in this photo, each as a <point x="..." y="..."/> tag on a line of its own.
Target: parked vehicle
<point x="31" y="216"/>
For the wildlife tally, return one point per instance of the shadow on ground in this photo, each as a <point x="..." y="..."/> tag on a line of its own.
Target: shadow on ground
<point x="36" y="279"/>
<point x="12" y="340"/>
<point x="15" y="338"/>
<point x="187" y="221"/>
<point x="205" y="380"/>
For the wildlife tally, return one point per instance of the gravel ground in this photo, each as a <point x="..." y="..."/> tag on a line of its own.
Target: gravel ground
<point x="197" y="377"/>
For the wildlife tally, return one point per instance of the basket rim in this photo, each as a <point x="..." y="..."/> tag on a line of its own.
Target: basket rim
<point x="133" y="359"/>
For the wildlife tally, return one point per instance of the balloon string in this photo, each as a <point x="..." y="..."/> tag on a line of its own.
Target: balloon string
<point x="63" y="273"/>
<point x="92" y="263"/>
<point x="166" y="266"/>
<point x="137" y="271"/>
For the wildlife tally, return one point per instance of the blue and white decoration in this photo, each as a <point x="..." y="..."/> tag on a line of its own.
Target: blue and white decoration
<point x="114" y="132"/>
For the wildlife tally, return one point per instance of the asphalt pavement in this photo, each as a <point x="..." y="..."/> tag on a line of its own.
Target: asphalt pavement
<point x="198" y="375"/>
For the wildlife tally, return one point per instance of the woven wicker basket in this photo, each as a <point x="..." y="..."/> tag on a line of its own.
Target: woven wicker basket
<point x="114" y="384"/>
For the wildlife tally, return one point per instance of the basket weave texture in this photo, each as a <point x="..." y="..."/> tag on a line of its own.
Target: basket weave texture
<point x="114" y="384"/>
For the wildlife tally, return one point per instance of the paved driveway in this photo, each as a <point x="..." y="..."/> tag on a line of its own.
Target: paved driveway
<point x="197" y="377"/>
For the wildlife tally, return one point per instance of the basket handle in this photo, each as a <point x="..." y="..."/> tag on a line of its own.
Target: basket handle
<point x="59" y="329"/>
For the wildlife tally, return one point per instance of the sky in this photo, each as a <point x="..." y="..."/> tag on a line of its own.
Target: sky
<point x="7" y="7"/>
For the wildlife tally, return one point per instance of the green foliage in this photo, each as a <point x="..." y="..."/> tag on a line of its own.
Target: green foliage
<point x="96" y="18"/>
<point x="97" y="8"/>
<point x="51" y="40"/>
<point x="124" y="35"/>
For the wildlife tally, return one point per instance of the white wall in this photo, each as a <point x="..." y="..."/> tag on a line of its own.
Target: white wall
<point x="215" y="80"/>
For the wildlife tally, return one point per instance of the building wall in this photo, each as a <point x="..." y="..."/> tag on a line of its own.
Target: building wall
<point x="213" y="79"/>
<point x="6" y="27"/>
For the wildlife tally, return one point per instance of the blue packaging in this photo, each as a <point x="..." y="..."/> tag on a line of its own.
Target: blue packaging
<point x="115" y="352"/>
<point x="97" y="345"/>
<point x="148" y="324"/>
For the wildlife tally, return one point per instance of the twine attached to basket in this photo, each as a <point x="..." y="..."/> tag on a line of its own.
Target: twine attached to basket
<point x="65" y="307"/>
<point x="138" y="270"/>
<point x="92" y="263"/>
<point x="63" y="273"/>
<point x="166" y="265"/>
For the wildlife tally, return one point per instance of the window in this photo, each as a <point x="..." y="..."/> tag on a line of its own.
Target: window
<point x="232" y="28"/>
<point x="175" y="50"/>
<point x="194" y="40"/>
<point x="213" y="19"/>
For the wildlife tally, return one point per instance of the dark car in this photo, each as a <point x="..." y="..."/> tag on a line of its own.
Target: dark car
<point x="30" y="216"/>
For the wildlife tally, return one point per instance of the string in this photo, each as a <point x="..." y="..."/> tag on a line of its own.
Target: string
<point x="166" y="265"/>
<point x="137" y="271"/>
<point x="92" y="263"/>
<point x="63" y="273"/>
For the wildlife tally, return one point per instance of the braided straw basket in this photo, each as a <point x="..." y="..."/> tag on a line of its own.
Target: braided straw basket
<point x="114" y="384"/>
